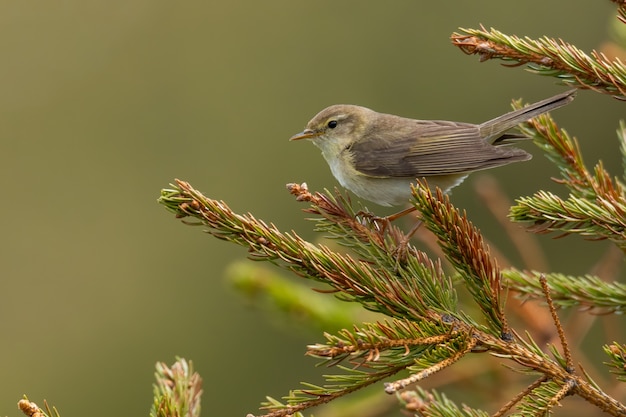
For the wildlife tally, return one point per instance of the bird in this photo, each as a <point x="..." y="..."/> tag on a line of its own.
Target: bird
<point x="377" y="156"/>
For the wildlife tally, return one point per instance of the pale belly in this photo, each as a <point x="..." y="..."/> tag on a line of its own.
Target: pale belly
<point x="386" y="191"/>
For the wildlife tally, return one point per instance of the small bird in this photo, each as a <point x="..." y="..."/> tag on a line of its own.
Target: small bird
<point x="377" y="156"/>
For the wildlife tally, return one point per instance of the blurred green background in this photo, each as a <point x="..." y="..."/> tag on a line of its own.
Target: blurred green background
<point x="105" y="103"/>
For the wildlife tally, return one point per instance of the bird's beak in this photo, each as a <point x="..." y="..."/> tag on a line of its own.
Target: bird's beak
<point x="305" y="134"/>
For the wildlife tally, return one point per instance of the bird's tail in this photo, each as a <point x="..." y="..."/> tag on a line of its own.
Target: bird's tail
<point x="494" y="128"/>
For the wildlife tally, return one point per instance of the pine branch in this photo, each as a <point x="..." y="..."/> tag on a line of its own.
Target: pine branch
<point x="382" y="342"/>
<point x="426" y="332"/>
<point x="587" y="291"/>
<point x="544" y="397"/>
<point x="596" y="207"/>
<point x="519" y="397"/>
<point x="434" y="360"/>
<point x="314" y="395"/>
<point x="418" y="290"/>
<point x="565" y="360"/>
<point x="564" y="151"/>
<point x="464" y="247"/>
<point x="177" y="390"/>
<point x="546" y="56"/>
<point x="550" y="213"/>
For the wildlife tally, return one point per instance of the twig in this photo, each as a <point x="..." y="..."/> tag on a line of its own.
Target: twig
<point x="521" y="395"/>
<point x="555" y="317"/>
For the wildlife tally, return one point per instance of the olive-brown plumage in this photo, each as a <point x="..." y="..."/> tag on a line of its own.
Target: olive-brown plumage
<point x="377" y="155"/>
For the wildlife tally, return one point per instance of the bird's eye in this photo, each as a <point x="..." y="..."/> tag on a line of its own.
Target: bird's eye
<point x="332" y="124"/>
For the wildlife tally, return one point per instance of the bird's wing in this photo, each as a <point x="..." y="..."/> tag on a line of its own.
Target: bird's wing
<point x="425" y="148"/>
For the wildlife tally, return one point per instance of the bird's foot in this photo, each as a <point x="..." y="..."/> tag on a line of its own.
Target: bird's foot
<point x="380" y="224"/>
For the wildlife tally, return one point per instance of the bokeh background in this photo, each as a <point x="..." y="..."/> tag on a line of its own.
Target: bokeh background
<point x="104" y="103"/>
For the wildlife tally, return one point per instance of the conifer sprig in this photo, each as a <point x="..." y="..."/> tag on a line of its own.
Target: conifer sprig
<point x="424" y="333"/>
<point x="393" y="292"/>
<point x="177" y="390"/>
<point x="585" y="292"/>
<point x="546" y="56"/>
<point x="464" y="247"/>
<point x="596" y="206"/>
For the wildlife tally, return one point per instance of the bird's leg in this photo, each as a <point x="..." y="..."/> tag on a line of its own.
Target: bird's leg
<point x="400" y="214"/>
<point x="382" y="223"/>
<point x="386" y="221"/>
<point x="409" y="235"/>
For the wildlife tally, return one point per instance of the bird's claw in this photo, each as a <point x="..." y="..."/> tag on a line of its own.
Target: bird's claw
<point x="381" y="224"/>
